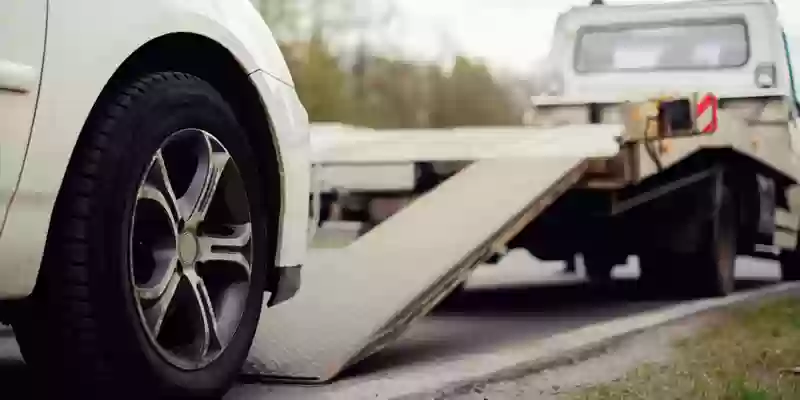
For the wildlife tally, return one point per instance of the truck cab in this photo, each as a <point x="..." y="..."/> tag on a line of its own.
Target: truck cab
<point x="729" y="47"/>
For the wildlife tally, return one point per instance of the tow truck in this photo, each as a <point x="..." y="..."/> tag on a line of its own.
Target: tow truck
<point x="606" y="66"/>
<point x="668" y="132"/>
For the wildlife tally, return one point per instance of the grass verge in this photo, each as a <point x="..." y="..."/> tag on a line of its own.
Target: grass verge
<point x="746" y="354"/>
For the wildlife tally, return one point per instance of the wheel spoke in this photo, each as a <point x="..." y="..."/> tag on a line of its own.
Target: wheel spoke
<point x="166" y="183"/>
<point x="156" y="313"/>
<point x="208" y="318"/>
<point x="204" y="184"/>
<point x="166" y="265"/>
<point x="189" y="302"/>
<point x="228" y="248"/>
<point x="151" y="192"/>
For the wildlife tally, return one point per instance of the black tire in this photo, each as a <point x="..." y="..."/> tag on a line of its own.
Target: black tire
<point x="790" y="265"/>
<point x="598" y="268"/>
<point x="81" y="327"/>
<point x="715" y="259"/>
<point x="661" y="272"/>
<point x="708" y="271"/>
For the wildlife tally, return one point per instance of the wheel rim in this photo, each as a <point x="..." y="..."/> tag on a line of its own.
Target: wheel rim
<point x="190" y="249"/>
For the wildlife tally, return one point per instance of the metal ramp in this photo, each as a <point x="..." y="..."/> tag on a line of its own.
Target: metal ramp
<point x="364" y="296"/>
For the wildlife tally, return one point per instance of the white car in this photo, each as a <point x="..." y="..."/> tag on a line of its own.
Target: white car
<point x="154" y="190"/>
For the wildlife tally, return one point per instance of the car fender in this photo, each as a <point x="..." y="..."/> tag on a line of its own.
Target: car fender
<point x="87" y="41"/>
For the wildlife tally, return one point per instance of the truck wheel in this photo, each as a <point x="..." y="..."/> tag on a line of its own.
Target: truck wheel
<point x="598" y="267"/>
<point x="708" y="271"/>
<point x="655" y="271"/>
<point x="790" y="264"/>
<point x="154" y="271"/>
<point x="716" y="256"/>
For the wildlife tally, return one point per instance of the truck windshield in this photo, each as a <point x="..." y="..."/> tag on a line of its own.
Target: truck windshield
<point x="679" y="45"/>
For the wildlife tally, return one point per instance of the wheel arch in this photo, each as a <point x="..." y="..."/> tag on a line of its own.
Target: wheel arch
<point x="210" y="61"/>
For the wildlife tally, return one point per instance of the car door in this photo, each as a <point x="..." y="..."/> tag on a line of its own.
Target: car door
<point x="22" y="39"/>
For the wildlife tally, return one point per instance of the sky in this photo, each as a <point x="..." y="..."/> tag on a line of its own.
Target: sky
<point x="510" y="35"/>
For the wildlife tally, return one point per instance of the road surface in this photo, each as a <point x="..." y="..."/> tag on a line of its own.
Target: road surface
<point x="515" y="302"/>
<point x="518" y="300"/>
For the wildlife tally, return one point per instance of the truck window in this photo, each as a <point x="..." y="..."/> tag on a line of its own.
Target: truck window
<point x="671" y="45"/>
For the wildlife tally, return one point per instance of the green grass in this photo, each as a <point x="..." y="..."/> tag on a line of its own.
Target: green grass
<point x="743" y="355"/>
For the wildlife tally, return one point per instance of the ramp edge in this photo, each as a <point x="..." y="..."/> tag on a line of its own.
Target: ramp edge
<point x="400" y="323"/>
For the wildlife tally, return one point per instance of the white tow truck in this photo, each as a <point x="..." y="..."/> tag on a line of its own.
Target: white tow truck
<point x="712" y="180"/>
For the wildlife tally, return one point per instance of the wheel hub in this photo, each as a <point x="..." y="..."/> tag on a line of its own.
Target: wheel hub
<point x="188" y="248"/>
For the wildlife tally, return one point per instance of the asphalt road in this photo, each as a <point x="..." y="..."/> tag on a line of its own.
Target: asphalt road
<point x="520" y="299"/>
<point x="517" y="301"/>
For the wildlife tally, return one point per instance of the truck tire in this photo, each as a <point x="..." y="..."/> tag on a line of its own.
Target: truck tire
<point x="658" y="272"/>
<point x="598" y="267"/>
<point x="154" y="271"/>
<point x="715" y="258"/>
<point x="708" y="271"/>
<point x="790" y="264"/>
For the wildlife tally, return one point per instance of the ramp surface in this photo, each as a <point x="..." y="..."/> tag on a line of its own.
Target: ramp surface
<point x="367" y="146"/>
<point x="365" y="295"/>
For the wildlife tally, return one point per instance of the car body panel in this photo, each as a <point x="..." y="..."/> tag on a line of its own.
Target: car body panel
<point x="20" y="68"/>
<point x="290" y="121"/>
<point x="87" y="41"/>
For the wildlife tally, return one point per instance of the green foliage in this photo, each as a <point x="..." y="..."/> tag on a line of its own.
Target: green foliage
<point x="385" y="93"/>
<point x="470" y="96"/>
<point x="377" y="91"/>
<point x="282" y="16"/>
<point x="319" y="81"/>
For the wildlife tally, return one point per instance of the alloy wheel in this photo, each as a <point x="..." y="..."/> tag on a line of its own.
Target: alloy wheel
<point x="190" y="249"/>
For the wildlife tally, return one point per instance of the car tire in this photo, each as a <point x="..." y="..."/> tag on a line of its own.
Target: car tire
<point x="95" y="322"/>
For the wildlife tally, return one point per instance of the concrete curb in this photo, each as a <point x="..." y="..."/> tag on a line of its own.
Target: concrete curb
<point x="582" y="343"/>
<point x="436" y="380"/>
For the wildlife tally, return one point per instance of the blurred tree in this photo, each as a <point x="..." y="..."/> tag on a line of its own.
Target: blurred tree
<point x="470" y="96"/>
<point x="300" y="19"/>
<point x="378" y="91"/>
<point x="319" y="81"/>
<point x="282" y="16"/>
